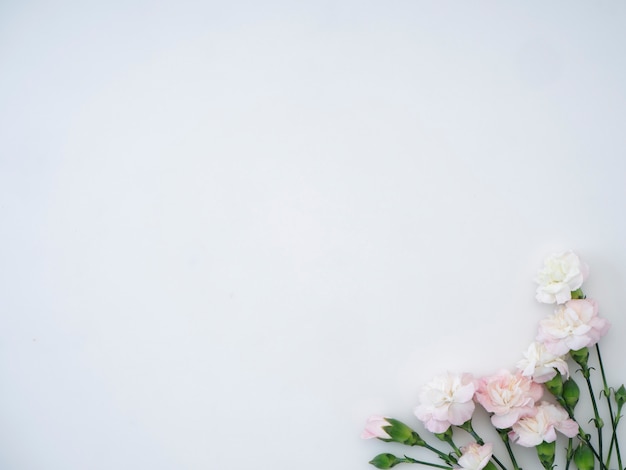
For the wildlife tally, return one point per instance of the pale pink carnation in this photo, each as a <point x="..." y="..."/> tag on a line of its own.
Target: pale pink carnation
<point x="508" y="396"/>
<point x="561" y="274"/>
<point x="446" y="400"/>
<point x="475" y="456"/>
<point x="374" y="428"/>
<point x="531" y="431"/>
<point x="573" y="326"/>
<point x="540" y="364"/>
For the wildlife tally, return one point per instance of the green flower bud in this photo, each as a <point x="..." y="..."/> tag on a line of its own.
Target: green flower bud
<point x="555" y="385"/>
<point x="583" y="457"/>
<point x="385" y="461"/>
<point x="620" y="396"/>
<point x="545" y="452"/>
<point x="578" y="294"/>
<point x="580" y="356"/>
<point x="571" y="393"/>
<point x="400" y="432"/>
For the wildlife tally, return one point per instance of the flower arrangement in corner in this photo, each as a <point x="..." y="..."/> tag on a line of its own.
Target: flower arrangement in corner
<point x="529" y="407"/>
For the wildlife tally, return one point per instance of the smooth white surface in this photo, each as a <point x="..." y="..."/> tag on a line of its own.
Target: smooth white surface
<point x="230" y="231"/>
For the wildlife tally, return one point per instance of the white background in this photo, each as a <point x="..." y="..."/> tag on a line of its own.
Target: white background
<point x="230" y="231"/>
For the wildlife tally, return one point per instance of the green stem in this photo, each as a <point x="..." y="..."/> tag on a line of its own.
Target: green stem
<point x="597" y="420"/>
<point x="505" y="438"/>
<point x="607" y="394"/>
<point x="421" y="462"/>
<point x="583" y="436"/>
<point x="570" y="453"/>
<point x="445" y="457"/>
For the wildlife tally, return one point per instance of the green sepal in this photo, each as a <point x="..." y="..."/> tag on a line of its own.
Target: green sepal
<point x="545" y="452"/>
<point x="400" y="432"/>
<point x="445" y="436"/>
<point x="385" y="461"/>
<point x="555" y="385"/>
<point x="584" y="458"/>
<point x="571" y="393"/>
<point x="580" y="356"/>
<point x="578" y="294"/>
<point x="620" y="396"/>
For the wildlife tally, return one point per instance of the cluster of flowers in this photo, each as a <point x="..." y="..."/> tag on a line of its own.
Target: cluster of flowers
<point x="515" y="401"/>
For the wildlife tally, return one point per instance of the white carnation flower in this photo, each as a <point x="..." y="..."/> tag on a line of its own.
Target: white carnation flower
<point x="446" y="400"/>
<point x="562" y="273"/>
<point x="541" y="364"/>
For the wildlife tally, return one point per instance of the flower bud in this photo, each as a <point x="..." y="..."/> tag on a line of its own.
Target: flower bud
<point x="375" y="428"/>
<point x="385" y="461"/>
<point x="545" y="452"/>
<point x="620" y="396"/>
<point x="583" y="457"/>
<point x="571" y="393"/>
<point x="555" y="385"/>
<point x="400" y="432"/>
<point x="577" y="294"/>
<point x="580" y="356"/>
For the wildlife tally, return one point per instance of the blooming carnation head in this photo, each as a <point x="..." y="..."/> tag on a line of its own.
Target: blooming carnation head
<point x="573" y="326"/>
<point x="475" y="456"/>
<point x="540" y="364"/>
<point x="542" y="425"/>
<point x="446" y="400"/>
<point x="562" y="273"/>
<point x="508" y="396"/>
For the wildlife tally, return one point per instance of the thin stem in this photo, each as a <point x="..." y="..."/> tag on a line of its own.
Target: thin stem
<point x="505" y="438"/>
<point x="570" y="453"/>
<point x="597" y="420"/>
<point x="607" y="394"/>
<point x="445" y="457"/>
<point x="421" y="462"/>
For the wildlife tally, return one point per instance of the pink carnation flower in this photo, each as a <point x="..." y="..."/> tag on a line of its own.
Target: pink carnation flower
<point x="475" y="456"/>
<point x="531" y="431"/>
<point x="509" y="397"/>
<point x="446" y="400"/>
<point x="573" y="326"/>
<point x="374" y="428"/>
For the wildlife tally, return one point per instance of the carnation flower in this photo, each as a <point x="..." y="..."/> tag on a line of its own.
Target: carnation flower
<point x="475" y="456"/>
<point x="374" y="428"/>
<point x="573" y="326"/>
<point x="540" y="364"/>
<point x="531" y="431"/>
<point x="562" y="273"/>
<point x="509" y="397"/>
<point x="445" y="401"/>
